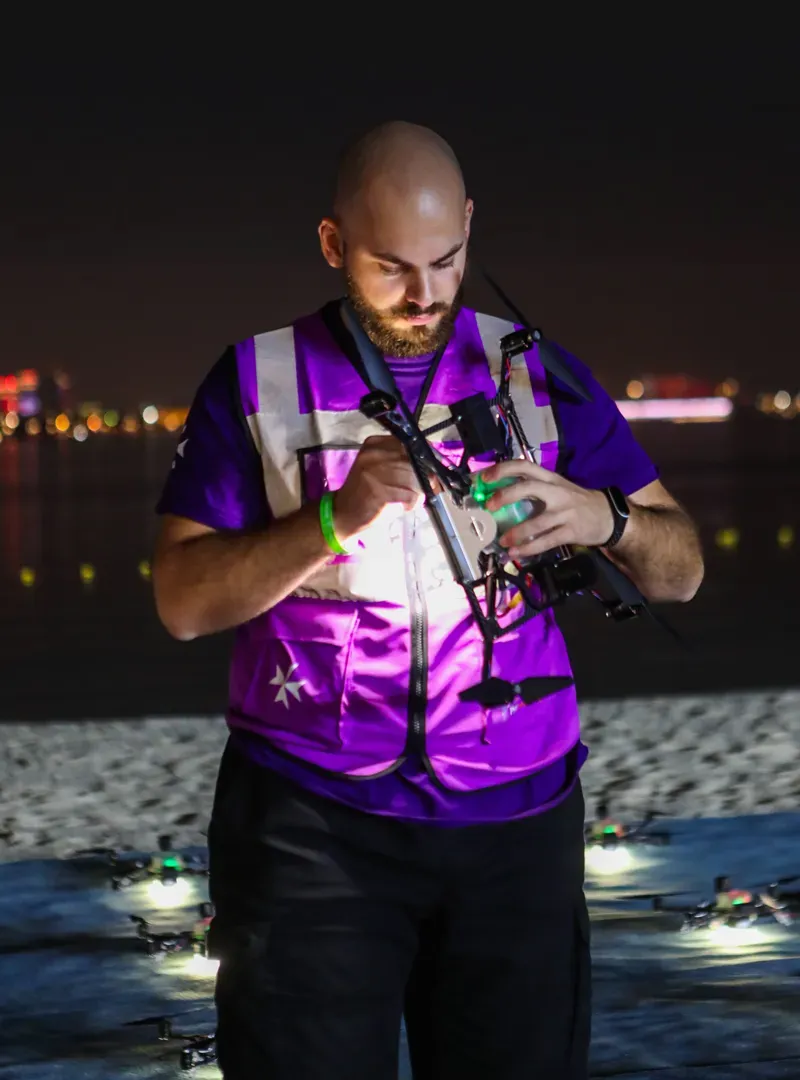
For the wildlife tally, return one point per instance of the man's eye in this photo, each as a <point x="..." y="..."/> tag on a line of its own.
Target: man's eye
<point x="446" y="265"/>
<point x="390" y="271"/>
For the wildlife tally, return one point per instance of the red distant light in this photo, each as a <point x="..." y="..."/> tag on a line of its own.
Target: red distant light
<point x="28" y="379"/>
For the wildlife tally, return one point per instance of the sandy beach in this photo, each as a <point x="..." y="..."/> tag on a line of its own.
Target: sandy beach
<point x="121" y="783"/>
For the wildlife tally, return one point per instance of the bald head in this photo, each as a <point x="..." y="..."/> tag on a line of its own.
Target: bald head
<point x="399" y="230"/>
<point x="396" y="160"/>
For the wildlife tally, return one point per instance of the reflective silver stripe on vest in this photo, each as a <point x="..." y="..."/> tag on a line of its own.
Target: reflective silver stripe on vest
<point x="538" y="421"/>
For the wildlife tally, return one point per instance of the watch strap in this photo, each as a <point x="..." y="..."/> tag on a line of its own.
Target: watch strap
<point x="615" y="498"/>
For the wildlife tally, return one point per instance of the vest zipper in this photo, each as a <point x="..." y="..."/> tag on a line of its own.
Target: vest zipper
<point x="418" y="675"/>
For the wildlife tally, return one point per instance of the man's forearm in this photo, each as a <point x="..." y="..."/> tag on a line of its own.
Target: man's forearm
<point x="660" y="551"/>
<point x="219" y="580"/>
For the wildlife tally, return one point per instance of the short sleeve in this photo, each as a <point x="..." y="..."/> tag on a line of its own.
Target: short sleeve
<point x="216" y="478"/>
<point x="598" y="447"/>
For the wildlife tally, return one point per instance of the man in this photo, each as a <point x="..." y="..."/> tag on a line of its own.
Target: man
<point x="377" y="845"/>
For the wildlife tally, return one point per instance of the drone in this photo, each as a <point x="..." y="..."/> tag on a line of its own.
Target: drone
<point x="166" y="868"/>
<point x="733" y="908"/>
<point x="170" y="942"/>
<point x="468" y="532"/>
<point x="197" y="1049"/>
<point x="609" y="834"/>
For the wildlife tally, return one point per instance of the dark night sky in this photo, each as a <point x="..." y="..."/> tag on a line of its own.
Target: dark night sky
<point x="151" y="216"/>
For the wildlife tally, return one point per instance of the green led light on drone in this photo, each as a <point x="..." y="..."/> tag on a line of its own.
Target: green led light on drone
<point x="610" y="829"/>
<point x="170" y="864"/>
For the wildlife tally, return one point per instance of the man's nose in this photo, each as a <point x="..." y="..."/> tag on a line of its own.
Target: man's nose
<point x="419" y="291"/>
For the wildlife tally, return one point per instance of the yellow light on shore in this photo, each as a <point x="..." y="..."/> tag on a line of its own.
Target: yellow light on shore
<point x="727" y="539"/>
<point x="785" y="536"/>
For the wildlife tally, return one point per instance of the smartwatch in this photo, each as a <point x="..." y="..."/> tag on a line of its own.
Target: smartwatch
<point x="619" y="512"/>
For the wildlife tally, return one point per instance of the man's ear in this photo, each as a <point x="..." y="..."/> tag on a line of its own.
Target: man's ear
<point x="330" y="241"/>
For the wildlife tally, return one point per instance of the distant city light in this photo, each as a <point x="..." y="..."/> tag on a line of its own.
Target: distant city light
<point x="93" y="422"/>
<point x="28" y="379"/>
<point x="173" y="421"/>
<point x="111" y="418"/>
<point x="62" y="422"/>
<point x="150" y="414"/>
<point x="87" y="573"/>
<point x="785" y="536"/>
<point x="33" y="426"/>
<point x="728" y="388"/>
<point x="782" y="400"/>
<point x="12" y="421"/>
<point x="80" y="433"/>
<point x="634" y="389"/>
<point x="27" y="576"/>
<point x="713" y="408"/>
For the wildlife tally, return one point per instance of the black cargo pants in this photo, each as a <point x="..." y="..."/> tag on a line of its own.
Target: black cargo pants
<point x="331" y="924"/>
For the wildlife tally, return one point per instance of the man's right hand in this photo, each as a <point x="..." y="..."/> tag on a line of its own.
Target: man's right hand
<point x="381" y="474"/>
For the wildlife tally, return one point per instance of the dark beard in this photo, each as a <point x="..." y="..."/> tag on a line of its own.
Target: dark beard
<point x="416" y="340"/>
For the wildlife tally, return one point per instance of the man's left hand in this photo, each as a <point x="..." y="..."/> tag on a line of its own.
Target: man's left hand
<point x="566" y="513"/>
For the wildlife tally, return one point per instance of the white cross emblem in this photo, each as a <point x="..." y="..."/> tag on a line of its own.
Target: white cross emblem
<point x="285" y="686"/>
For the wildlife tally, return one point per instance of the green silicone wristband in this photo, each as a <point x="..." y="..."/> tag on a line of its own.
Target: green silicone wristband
<point x="326" y="521"/>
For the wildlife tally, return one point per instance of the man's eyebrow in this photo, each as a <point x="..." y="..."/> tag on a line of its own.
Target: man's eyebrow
<point x="386" y="256"/>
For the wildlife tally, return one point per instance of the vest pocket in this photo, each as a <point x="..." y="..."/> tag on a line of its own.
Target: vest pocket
<point x="300" y="676"/>
<point x="324" y="468"/>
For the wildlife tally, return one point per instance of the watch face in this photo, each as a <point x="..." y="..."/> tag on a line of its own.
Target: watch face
<point x="619" y="502"/>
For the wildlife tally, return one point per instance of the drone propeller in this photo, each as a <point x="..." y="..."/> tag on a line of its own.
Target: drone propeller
<point x="95" y="851"/>
<point x="548" y="353"/>
<point x="653" y="896"/>
<point x="493" y="692"/>
<point x="754" y="889"/>
<point x="785" y="880"/>
<point x="147" y="1020"/>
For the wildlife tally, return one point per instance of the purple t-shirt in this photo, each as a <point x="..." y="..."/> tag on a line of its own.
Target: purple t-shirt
<point x="216" y="480"/>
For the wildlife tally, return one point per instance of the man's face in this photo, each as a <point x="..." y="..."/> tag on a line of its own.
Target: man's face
<point x="404" y="272"/>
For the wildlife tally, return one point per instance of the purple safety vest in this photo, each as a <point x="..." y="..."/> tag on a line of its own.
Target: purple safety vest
<point x="364" y="664"/>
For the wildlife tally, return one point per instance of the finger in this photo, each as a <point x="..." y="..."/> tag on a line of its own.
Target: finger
<point x="407" y="498"/>
<point x="519" y="467"/>
<point x="400" y="474"/>
<point x="525" y="489"/>
<point x="532" y="529"/>
<point x="378" y="441"/>
<point x="375" y="461"/>
<point x="384" y="446"/>
<point x="540" y="544"/>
